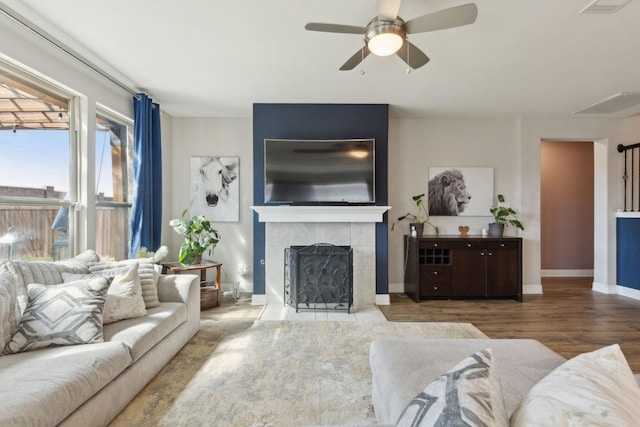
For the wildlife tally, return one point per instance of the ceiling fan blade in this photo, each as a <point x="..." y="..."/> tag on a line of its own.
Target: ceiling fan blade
<point x="388" y="9"/>
<point x="414" y="57"/>
<point x="357" y="58"/>
<point x="443" y="19"/>
<point x="334" y="28"/>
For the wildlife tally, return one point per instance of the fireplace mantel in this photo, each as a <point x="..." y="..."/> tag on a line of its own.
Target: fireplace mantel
<point x="285" y="213"/>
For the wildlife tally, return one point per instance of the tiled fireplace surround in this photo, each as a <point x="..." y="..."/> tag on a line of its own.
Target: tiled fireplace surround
<point x="302" y="226"/>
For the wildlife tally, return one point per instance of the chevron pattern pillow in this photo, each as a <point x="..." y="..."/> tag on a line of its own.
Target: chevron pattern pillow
<point x="469" y="394"/>
<point x="60" y="315"/>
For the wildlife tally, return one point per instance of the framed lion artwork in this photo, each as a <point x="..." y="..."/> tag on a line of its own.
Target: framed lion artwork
<point x="460" y="191"/>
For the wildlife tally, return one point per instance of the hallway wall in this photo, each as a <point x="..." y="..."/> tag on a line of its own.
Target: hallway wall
<point x="566" y="208"/>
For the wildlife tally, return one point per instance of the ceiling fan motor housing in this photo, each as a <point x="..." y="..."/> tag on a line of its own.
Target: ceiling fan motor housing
<point x="380" y="29"/>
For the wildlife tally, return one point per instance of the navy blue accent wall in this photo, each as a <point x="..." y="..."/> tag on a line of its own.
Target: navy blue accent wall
<point x="320" y="121"/>
<point x="628" y="252"/>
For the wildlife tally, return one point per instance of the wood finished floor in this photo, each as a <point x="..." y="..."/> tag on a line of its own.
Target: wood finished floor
<point x="569" y="317"/>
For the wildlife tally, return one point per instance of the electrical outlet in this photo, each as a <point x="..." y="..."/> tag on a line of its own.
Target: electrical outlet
<point x="243" y="269"/>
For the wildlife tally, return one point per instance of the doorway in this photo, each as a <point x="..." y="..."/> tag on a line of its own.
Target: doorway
<point x="567" y="208"/>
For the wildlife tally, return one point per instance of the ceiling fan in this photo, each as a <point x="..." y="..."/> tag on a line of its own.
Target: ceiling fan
<point x="386" y="34"/>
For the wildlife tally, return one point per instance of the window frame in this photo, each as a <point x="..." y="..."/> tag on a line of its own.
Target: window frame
<point x="71" y="199"/>
<point x="112" y="115"/>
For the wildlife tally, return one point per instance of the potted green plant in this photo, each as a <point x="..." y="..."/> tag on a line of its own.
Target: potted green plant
<point x="199" y="236"/>
<point x="502" y="215"/>
<point x="416" y="220"/>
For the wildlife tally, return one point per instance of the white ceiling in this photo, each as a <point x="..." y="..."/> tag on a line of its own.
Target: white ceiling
<point x="521" y="58"/>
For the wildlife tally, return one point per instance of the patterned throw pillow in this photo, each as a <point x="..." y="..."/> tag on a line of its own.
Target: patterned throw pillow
<point x="60" y="315"/>
<point x="124" y="297"/>
<point x="8" y="307"/>
<point x="146" y="271"/>
<point x="592" y="389"/>
<point x="469" y="394"/>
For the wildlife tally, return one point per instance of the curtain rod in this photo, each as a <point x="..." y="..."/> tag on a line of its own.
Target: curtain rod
<point x="15" y="16"/>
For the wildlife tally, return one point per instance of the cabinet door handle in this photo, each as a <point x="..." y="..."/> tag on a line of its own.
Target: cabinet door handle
<point x="435" y="244"/>
<point x="489" y="253"/>
<point x="435" y="273"/>
<point x="482" y="253"/>
<point x="469" y="244"/>
<point x="435" y="288"/>
<point x="502" y="245"/>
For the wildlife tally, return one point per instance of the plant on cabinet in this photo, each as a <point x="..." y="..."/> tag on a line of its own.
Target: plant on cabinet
<point x="416" y="220"/>
<point x="503" y="215"/>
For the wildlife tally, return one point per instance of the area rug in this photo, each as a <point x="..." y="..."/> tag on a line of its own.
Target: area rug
<point x="273" y="373"/>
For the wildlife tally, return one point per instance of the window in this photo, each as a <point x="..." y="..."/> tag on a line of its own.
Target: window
<point x="114" y="181"/>
<point x="36" y="183"/>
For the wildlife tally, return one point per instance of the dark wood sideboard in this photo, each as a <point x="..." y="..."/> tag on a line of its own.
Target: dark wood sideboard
<point x="455" y="267"/>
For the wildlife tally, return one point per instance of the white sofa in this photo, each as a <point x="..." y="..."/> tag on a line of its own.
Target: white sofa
<point x="89" y="384"/>
<point x="402" y="369"/>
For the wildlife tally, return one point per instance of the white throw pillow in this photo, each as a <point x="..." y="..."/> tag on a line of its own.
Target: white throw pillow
<point x="45" y="272"/>
<point x="146" y="271"/>
<point x="592" y="389"/>
<point x="124" y="297"/>
<point x="468" y="394"/>
<point x="59" y="315"/>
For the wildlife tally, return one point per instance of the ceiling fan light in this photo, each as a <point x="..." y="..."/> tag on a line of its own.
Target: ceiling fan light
<point x="385" y="44"/>
<point x="385" y="37"/>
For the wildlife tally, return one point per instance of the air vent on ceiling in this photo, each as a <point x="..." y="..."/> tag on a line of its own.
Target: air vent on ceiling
<point x="605" y="6"/>
<point x="612" y="104"/>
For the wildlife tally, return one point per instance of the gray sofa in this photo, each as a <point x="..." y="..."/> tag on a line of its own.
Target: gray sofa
<point x="89" y="384"/>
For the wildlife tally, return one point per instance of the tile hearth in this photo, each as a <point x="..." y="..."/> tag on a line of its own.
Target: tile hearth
<point x="365" y="314"/>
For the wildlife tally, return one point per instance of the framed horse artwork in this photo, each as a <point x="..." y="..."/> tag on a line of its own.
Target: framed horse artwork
<point x="215" y="188"/>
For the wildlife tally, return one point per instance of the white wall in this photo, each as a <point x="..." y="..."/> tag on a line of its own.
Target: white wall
<point x="417" y="144"/>
<point x="21" y="48"/>
<point x="511" y="147"/>
<point x="213" y="137"/>
<point x="532" y="131"/>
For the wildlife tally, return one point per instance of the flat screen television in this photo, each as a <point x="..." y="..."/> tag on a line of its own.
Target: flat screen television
<point x="315" y="172"/>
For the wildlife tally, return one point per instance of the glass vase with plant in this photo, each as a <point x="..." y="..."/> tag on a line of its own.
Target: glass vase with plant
<point x="417" y="220"/>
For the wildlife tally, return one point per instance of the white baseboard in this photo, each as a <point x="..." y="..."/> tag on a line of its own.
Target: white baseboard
<point x="396" y="288"/>
<point x="566" y="273"/>
<point x="532" y="289"/>
<point x="260" y="299"/>
<point x="383" y="299"/>
<point x="628" y="292"/>
<point x="603" y="288"/>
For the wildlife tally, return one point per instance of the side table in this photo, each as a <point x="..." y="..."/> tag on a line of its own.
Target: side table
<point x="209" y="293"/>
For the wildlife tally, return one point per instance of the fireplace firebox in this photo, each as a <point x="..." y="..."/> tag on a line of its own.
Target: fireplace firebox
<point x="318" y="277"/>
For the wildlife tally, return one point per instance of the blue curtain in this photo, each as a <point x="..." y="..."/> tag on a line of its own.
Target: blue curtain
<point x="146" y="212"/>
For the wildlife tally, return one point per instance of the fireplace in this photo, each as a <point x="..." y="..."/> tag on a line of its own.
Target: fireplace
<point x="288" y="226"/>
<point x="318" y="276"/>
